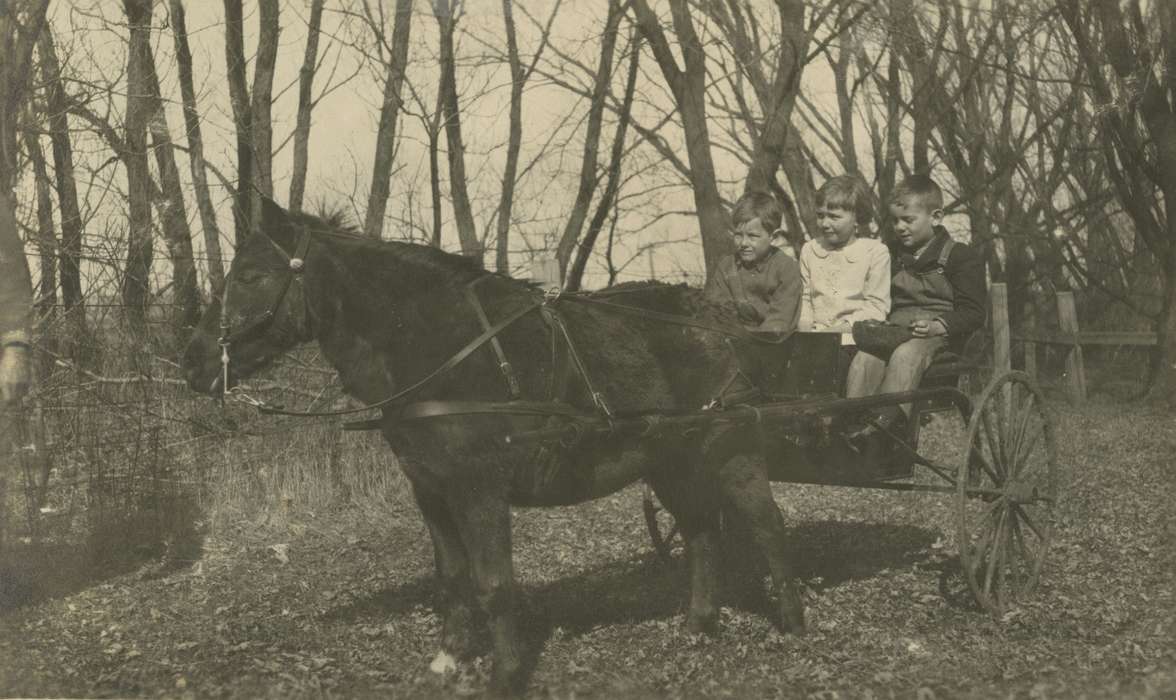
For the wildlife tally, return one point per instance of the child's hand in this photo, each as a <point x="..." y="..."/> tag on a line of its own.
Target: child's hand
<point x="928" y="329"/>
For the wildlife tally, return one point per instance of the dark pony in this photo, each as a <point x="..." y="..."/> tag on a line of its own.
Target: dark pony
<point x="386" y="314"/>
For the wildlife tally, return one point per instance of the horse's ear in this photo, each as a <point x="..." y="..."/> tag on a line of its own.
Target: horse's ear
<point x="276" y="224"/>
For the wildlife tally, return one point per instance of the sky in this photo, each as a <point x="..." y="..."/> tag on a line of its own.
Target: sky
<point x="657" y="235"/>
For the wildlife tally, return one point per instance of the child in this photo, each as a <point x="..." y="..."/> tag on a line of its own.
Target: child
<point x="937" y="290"/>
<point x="761" y="281"/>
<point x="846" y="277"/>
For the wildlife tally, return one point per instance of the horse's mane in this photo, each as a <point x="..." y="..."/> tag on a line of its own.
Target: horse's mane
<point x="336" y="225"/>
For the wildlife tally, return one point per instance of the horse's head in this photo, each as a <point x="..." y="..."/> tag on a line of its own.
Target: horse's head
<point x="263" y="309"/>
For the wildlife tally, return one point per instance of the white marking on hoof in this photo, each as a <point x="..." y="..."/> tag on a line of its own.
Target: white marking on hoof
<point x="443" y="663"/>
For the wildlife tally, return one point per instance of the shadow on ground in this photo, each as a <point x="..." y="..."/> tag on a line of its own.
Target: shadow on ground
<point x="639" y="590"/>
<point x="33" y="571"/>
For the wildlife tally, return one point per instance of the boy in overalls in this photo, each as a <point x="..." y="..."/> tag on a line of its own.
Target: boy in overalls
<point x="937" y="289"/>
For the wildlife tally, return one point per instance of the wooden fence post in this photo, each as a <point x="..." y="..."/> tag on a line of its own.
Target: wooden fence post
<point x="999" y="298"/>
<point x="545" y="271"/>
<point x="1075" y="369"/>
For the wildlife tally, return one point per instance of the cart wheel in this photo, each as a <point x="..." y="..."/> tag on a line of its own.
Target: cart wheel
<point x="661" y="525"/>
<point x="1006" y="492"/>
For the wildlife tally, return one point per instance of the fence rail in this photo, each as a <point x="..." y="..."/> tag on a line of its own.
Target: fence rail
<point x="1067" y="336"/>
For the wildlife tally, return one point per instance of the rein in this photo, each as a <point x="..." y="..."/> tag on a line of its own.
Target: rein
<point x="426" y="409"/>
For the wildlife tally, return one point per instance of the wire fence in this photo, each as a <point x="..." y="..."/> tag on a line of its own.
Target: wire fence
<point x="114" y="455"/>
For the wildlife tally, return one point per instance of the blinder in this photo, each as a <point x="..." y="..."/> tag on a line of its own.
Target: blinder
<point x="294" y="265"/>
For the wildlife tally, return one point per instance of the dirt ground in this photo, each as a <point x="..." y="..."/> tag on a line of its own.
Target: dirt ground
<point x="338" y="605"/>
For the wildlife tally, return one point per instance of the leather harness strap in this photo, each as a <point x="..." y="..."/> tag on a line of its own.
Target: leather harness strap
<point x="554" y="320"/>
<point x="512" y="381"/>
<point x="449" y="364"/>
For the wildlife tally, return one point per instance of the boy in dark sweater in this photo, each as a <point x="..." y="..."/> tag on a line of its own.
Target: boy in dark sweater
<point x="937" y="289"/>
<point x="760" y="281"/>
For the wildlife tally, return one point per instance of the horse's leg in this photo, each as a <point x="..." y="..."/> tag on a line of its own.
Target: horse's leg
<point x="483" y="518"/>
<point x="697" y="518"/>
<point x="453" y="581"/>
<point x="745" y="485"/>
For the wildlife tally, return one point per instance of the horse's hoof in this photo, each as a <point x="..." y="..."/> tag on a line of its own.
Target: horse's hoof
<point x="443" y="663"/>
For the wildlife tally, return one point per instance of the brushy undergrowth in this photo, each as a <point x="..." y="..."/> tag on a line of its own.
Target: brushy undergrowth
<point x="296" y="595"/>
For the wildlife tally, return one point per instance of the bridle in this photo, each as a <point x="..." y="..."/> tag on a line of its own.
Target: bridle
<point x="295" y="264"/>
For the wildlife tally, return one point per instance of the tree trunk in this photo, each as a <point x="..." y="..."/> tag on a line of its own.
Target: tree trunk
<point x="689" y="89"/>
<point x="600" y="92"/>
<point x="45" y="303"/>
<point x="235" y="63"/>
<point x="780" y="99"/>
<point x="435" y="171"/>
<point x="208" y="223"/>
<point x="514" y="141"/>
<point x="136" y="276"/>
<point x="173" y="212"/>
<point x="467" y="233"/>
<point x="57" y="105"/>
<point x="305" y="106"/>
<point x="373" y="224"/>
<point x="260" y="121"/>
<point x="575" y="277"/>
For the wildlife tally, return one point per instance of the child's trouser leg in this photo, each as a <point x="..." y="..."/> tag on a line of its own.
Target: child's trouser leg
<point x="907" y="365"/>
<point x="865" y="375"/>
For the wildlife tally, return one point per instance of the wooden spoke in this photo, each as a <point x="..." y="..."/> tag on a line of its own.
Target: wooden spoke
<point x="984" y="462"/>
<point x="1034" y="438"/>
<point x="994" y="557"/>
<point x="1024" y="515"/>
<point x="1029" y="558"/>
<point x="1019" y="434"/>
<point x="994" y="447"/>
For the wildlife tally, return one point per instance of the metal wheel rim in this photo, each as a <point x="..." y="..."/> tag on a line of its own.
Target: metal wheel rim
<point x="1007" y="543"/>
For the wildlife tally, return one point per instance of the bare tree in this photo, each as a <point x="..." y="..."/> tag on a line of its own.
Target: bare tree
<point x="688" y="86"/>
<point x="518" y="78"/>
<point x="235" y="65"/>
<point x="208" y="223"/>
<point x="588" y="163"/>
<point x="136" y="275"/>
<point x="1138" y="135"/>
<point x="57" y="105"/>
<point x="390" y="109"/>
<point x="608" y="198"/>
<point x="305" y="106"/>
<point x="173" y="214"/>
<point x="45" y="301"/>
<point x="445" y="11"/>
<point x="260" y="120"/>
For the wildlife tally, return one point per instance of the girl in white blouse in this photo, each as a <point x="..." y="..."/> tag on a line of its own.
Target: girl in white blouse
<point x="846" y="276"/>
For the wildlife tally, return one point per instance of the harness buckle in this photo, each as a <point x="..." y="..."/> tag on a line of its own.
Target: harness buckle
<point x="600" y="403"/>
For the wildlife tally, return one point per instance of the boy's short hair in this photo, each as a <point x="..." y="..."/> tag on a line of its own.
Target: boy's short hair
<point x="760" y="205"/>
<point x="919" y="187"/>
<point x="849" y="193"/>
